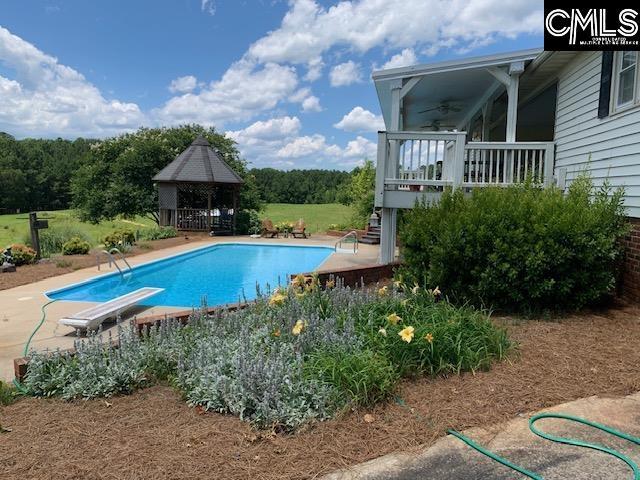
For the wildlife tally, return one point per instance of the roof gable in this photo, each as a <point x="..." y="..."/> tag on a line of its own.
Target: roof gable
<point x="199" y="163"/>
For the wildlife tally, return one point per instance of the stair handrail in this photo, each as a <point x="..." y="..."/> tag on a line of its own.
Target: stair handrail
<point x="109" y="254"/>
<point x="353" y="234"/>
<point x="111" y="260"/>
<point x="122" y="257"/>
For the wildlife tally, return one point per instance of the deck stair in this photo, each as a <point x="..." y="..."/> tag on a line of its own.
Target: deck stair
<point x="372" y="237"/>
<point x="91" y="318"/>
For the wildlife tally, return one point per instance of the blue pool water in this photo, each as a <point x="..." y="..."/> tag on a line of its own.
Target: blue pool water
<point x="221" y="273"/>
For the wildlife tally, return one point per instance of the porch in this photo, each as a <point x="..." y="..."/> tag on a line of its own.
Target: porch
<point x="415" y="166"/>
<point x="470" y="123"/>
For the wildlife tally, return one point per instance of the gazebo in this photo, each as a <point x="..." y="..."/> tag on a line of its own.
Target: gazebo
<point x="198" y="191"/>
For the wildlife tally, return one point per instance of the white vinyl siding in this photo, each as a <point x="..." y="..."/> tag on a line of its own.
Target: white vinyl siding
<point x="607" y="147"/>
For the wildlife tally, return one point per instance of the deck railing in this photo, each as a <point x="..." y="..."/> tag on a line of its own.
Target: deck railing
<point x="199" y="219"/>
<point x="413" y="165"/>
<point x="503" y="163"/>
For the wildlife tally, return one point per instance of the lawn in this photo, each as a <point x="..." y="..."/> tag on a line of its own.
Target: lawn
<point x="317" y="217"/>
<point x="15" y="228"/>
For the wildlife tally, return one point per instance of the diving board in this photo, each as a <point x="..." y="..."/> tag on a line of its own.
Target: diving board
<point x="91" y="318"/>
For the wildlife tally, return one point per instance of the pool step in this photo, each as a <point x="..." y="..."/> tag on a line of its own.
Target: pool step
<point x="91" y="318"/>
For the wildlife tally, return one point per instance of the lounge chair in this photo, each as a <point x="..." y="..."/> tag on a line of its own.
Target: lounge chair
<point x="268" y="230"/>
<point x="299" y="229"/>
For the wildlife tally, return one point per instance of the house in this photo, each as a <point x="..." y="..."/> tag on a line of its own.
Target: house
<point x="498" y="119"/>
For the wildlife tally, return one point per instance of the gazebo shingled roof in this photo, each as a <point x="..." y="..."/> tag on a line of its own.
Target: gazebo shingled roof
<point x="199" y="163"/>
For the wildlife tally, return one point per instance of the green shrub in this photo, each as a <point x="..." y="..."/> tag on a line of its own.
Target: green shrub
<point x="122" y="238"/>
<point x="248" y="222"/>
<point x="22" y="255"/>
<point x="522" y="247"/>
<point x="158" y="233"/>
<point x="367" y="377"/>
<point x="439" y="338"/>
<point x="76" y="246"/>
<point x="53" y="238"/>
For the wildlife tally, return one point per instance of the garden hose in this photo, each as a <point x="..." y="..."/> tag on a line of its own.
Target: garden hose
<point x="568" y="441"/>
<point x="25" y="352"/>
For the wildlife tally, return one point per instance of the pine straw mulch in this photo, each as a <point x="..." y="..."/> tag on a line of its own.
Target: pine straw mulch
<point x="153" y="434"/>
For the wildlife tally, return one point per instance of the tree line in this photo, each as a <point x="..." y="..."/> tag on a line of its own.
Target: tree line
<point x="300" y="186"/>
<point x="106" y="178"/>
<point x="35" y="174"/>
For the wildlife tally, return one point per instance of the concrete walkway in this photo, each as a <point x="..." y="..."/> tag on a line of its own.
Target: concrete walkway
<point x="20" y="307"/>
<point x="451" y="459"/>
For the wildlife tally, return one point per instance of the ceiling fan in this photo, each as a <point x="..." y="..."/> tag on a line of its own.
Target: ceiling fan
<point x="444" y="108"/>
<point x="436" y="126"/>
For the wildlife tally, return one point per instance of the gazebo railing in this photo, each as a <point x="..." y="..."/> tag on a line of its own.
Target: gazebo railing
<point x="192" y="219"/>
<point x="201" y="219"/>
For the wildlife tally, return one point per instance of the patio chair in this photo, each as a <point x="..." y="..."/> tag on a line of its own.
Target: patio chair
<point x="299" y="229"/>
<point x="268" y="230"/>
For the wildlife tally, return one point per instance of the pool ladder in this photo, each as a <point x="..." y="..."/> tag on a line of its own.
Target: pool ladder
<point x="352" y="234"/>
<point x="112" y="260"/>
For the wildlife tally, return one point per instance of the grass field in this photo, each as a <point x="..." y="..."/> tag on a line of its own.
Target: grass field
<point x="15" y="228"/>
<point x="317" y="217"/>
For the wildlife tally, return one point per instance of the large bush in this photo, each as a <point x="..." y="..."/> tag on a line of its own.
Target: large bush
<point x="22" y="255"/>
<point x="300" y="353"/>
<point x="76" y="246"/>
<point x="122" y="239"/>
<point x="522" y="247"/>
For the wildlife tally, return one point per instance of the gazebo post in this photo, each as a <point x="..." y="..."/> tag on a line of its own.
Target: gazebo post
<point x="235" y="209"/>
<point x="209" y="209"/>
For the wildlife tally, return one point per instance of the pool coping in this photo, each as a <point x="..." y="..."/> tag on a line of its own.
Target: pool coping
<point x="186" y="252"/>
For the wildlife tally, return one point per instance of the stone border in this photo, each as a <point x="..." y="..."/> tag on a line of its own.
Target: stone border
<point x="351" y="276"/>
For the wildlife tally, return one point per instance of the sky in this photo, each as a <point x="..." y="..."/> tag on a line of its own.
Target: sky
<point x="289" y="81"/>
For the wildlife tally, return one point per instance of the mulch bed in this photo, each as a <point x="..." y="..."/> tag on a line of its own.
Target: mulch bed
<point x="153" y="434"/>
<point x="59" y="265"/>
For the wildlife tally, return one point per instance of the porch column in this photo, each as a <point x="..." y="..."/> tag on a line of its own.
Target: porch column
<point x="515" y="69"/>
<point x="389" y="215"/>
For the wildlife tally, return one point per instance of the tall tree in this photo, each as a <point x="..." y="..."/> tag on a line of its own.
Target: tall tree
<point x="117" y="179"/>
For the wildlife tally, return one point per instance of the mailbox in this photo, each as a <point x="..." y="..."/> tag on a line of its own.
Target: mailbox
<point x="40" y="224"/>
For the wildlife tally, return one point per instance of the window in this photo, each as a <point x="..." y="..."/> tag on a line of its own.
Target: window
<point x="625" y="91"/>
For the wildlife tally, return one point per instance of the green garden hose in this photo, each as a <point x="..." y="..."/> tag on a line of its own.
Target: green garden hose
<point x="567" y="441"/>
<point x="25" y="352"/>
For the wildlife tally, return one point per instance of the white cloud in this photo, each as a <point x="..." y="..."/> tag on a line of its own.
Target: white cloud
<point x="47" y="98"/>
<point x="274" y="128"/>
<point x="208" y="6"/>
<point x="245" y="90"/>
<point x="309" y="30"/>
<point x="183" y="84"/>
<point x="360" y="120"/>
<point x="402" y="59"/>
<point x="314" y="69"/>
<point x="314" y="150"/>
<point x="345" y="74"/>
<point x="311" y="104"/>
<point x="277" y="142"/>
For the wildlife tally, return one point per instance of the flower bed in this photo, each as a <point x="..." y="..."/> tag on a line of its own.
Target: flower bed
<point x="297" y="354"/>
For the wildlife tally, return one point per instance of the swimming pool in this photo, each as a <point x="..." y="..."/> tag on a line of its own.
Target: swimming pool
<point x="220" y="273"/>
